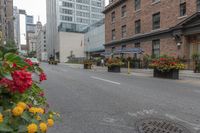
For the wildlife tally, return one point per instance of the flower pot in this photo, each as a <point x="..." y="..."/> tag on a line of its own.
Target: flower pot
<point x="115" y="69"/>
<point x="87" y="66"/>
<point x="172" y="74"/>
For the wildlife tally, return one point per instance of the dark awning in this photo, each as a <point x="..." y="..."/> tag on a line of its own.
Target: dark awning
<point x="124" y="51"/>
<point x="129" y="51"/>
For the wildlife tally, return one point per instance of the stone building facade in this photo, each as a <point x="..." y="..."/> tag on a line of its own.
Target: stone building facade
<point x="170" y="27"/>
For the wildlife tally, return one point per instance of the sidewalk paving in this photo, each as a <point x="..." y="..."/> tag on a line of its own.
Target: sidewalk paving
<point x="139" y="72"/>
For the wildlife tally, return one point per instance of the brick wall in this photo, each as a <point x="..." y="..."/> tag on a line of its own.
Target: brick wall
<point x="169" y="11"/>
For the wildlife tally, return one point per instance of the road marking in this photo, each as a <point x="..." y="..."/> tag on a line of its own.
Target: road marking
<point x="109" y="81"/>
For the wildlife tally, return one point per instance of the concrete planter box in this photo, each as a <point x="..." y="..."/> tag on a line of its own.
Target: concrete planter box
<point x="115" y="69"/>
<point x="87" y="66"/>
<point x="172" y="74"/>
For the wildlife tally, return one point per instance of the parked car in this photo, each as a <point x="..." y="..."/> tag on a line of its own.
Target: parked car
<point x="34" y="61"/>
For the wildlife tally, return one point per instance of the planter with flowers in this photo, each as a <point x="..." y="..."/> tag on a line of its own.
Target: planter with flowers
<point x="167" y="67"/>
<point x="87" y="64"/>
<point x="23" y="107"/>
<point x="114" y="65"/>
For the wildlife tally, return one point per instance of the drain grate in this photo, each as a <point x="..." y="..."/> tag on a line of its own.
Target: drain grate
<point x="154" y="125"/>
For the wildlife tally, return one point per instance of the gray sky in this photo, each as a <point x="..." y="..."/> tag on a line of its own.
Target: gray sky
<point x="35" y="7"/>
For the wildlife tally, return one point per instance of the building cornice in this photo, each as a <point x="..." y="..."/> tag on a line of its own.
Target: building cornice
<point x="113" y="5"/>
<point x="141" y="36"/>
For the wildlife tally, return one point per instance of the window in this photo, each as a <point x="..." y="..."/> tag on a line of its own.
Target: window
<point x="182" y="8"/>
<point x="113" y="16"/>
<point x="137" y="45"/>
<point x="154" y="1"/>
<point x="156" y="48"/>
<point x="198" y="5"/>
<point x="123" y="48"/>
<point x="113" y="34"/>
<point x="67" y="18"/>
<point x="156" y="21"/>
<point x="123" y="11"/>
<point x="123" y="31"/>
<point x="137" y="26"/>
<point x="137" y="4"/>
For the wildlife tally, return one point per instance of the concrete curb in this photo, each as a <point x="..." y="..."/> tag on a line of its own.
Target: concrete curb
<point x="147" y="72"/>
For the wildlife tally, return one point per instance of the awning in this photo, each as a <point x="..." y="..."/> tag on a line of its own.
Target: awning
<point x="124" y="51"/>
<point x="129" y="51"/>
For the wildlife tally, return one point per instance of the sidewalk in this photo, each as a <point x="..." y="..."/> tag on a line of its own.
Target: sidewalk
<point x="139" y="72"/>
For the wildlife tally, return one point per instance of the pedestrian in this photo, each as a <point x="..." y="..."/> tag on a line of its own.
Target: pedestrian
<point x="102" y="62"/>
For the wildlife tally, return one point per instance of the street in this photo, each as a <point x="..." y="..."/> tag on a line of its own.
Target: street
<point x="101" y="102"/>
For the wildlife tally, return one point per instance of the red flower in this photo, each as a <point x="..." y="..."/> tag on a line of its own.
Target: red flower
<point x="29" y="62"/>
<point x="42" y="76"/>
<point x="7" y="83"/>
<point x="41" y="94"/>
<point x="14" y="65"/>
<point x="22" y="80"/>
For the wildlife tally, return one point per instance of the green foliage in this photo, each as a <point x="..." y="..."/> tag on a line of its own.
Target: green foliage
<point x="10" y="62"/>
<point x="196" y="56"/>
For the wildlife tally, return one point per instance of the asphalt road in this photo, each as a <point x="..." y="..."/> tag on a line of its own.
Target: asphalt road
<point x="102" y="102"/>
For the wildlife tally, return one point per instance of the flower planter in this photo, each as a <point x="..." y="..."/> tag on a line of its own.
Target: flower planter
<point x="172" y="74"/>
<point x="87" y="66"/>
<point x="115" y="69"/>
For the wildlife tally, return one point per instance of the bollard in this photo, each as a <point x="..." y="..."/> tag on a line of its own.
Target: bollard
<point x="129" y="67"/>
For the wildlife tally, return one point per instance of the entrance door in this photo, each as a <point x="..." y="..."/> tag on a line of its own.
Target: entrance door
<point x="198" y="42"/>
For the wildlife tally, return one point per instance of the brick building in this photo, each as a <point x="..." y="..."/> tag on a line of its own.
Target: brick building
<point x="170" y="27"/>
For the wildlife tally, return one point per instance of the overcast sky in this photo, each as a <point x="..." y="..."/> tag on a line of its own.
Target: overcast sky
<point x="35" y="7"/>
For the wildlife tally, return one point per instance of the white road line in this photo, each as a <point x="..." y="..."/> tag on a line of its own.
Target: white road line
<point x="109" y="81"/>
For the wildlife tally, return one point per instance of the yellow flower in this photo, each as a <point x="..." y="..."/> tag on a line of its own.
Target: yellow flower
<point x="32" y="110"/>
<point x="40" y="110"/>
<point x="32" y="128"/>
<point x="17" y="111"/>
<point x="50" y="116"/>
<point x="38" y="118"/>
<point x="50" y="122"/>
<point x="22" y="105"/>
<point x="1" y="118"/>
<point x="43" y="127"/>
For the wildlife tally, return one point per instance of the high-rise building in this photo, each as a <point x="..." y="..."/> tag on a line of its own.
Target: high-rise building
<point x="40" y="34"/>
<point x="24" y="30"/>
<point x="70" y="16"/>
<point x="6" y="20"/>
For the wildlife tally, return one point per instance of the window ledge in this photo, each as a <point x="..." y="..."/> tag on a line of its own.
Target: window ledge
<point x="153" y="30"/>
<point x="123" y="17"/>
<point x="136" y="11"/>
<point x="155" y="2"/>
<point x="182" y="17"/>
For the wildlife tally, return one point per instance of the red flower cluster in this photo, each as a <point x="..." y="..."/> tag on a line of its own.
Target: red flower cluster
<point x="29" y="62"/>
<point x="22" y="80"/>
<point x="42" y="76"/>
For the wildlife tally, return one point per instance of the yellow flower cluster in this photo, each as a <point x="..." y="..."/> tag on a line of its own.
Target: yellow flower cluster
<point x="1" y="118"/>
<point x="19" y="109"/>
<point x="33" y="128"/>
<point x="35" y="110"/>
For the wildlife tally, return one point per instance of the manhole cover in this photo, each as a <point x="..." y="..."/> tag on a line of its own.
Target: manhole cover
<point x="159" y="126"/>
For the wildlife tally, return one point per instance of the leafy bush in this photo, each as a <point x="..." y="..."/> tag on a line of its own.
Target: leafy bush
<point x="23" y="107"/>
